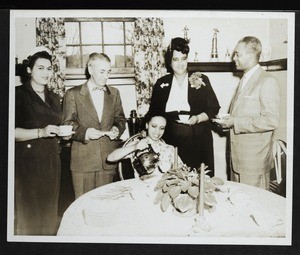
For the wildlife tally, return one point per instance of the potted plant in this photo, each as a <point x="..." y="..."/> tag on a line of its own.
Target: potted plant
<point x="179" y="187"/>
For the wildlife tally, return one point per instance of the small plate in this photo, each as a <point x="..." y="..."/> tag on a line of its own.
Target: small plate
<point x="219" y="121"/>
<point x="66" y="134"/>
<point x="108" y="133"/>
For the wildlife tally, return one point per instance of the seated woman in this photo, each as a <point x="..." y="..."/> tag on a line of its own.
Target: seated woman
<point x="155" y="126"/>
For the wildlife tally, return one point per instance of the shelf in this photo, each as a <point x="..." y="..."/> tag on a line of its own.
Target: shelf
<point x="272" y="65"/>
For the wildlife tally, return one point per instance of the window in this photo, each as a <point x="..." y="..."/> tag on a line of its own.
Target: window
<point x="112" y="36"/>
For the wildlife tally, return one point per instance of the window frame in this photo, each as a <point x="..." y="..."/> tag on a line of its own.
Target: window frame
<point x="117" y="72"/>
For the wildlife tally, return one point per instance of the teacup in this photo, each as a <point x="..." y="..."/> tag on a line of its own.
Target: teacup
<point x="184" y="117"/>
<point x="65" y="130"/>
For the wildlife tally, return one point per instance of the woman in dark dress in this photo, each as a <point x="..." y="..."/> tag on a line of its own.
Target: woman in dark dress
<point x="177" y="92"/>
<point x="37" y="162"/>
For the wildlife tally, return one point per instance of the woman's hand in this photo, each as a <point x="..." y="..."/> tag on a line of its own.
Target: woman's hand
<point x="192" y="120"/>
<point x="142" y="145"/>
<point x="49" y="131"/>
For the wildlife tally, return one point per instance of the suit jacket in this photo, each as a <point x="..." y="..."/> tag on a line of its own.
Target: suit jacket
<point x="79" y="111"/>
<point x="256" y="112"/>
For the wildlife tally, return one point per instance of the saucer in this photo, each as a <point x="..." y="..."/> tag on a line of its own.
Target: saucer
<point x="219" y="121"/>
<point x="66" y="134"/>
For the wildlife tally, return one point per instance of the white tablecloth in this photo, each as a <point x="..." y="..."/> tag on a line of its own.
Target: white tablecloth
<point x="130" y="211"/>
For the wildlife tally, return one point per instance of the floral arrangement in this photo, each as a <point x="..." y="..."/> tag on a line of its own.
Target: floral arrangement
<point x="196" y="80"/>
<point x="180" y="188"/>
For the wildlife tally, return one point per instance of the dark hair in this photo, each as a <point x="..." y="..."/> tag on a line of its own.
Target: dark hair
<point x="93" y="56"/>
<point x="30" y="62"/>
<point x="178" y="44"/>
<point x="253" y="44"/>
<point x="151" y="114"/>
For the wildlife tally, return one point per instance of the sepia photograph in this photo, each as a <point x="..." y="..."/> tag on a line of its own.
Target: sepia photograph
<point x="151" y="127"/>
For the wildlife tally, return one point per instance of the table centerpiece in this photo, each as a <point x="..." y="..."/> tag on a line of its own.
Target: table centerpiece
<point x="180" y="188"/>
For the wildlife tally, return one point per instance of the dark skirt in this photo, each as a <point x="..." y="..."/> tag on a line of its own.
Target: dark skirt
<point x="37" y="182"/>
<point x="195" y="143"/>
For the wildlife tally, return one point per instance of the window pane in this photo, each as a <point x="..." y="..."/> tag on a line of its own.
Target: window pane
<point x="72" y="32"/>
<point x="73" y="58"/>
<point x="128" y="32"/>
<point x="87" y="50"/>
<point x="91" y="32"/>
<point x="129" y="57"/>
<point x="116" y="55"/>
<point x="113" y="32"/>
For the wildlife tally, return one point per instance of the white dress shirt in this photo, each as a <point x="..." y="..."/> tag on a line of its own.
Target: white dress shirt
<point x="97" y="98"/>
<point x="178" y="98"/>
<point x="248" y="75"/>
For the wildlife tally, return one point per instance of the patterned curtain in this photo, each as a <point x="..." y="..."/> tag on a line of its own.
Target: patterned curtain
<point x="149" y="64"/>
<point x="50" y="32"/>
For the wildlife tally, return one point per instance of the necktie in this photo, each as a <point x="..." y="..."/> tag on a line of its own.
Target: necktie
<point x="99" y="88"/>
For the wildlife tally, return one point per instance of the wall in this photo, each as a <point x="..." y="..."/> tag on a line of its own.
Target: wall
<point x="25" y="37"/>
<point x="201" y="32"/>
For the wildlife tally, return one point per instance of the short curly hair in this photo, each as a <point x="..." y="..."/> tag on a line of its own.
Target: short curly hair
<point x="30" y="62"/>
<point x="178" y="44"/>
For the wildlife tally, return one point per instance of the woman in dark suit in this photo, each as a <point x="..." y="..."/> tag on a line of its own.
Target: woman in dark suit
<point x="177" y="92"/>
<point x="37" y="162"/>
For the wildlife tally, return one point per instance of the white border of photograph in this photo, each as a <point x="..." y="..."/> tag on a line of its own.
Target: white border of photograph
<point x="180" y="14"/>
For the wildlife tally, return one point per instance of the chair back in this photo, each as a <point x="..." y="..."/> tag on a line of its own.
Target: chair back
<point x="279" y="155"/>
<point x="124" y="165"/>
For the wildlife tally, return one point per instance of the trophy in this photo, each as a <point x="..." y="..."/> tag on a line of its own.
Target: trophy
<point x="214" y="50"/>
<point x="185" y="36"/>
<point x="196" y="57"/>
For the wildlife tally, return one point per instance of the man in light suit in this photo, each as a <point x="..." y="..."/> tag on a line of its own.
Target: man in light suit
<point x="254" y="115"/>
<point x="96" y="113"/>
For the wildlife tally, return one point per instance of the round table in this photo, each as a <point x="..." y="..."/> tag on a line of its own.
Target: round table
<point x="126" y="209"/>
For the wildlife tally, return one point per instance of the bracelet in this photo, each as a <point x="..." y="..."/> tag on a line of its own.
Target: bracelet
<point x="39" y="132"/>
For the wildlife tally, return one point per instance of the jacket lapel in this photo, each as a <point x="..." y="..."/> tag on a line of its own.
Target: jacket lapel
<point x="87" y="102"/>
<point x="166" y="89"/>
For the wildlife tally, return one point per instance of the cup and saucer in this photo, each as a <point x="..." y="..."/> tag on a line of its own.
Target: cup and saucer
<point x="183" y="118"/>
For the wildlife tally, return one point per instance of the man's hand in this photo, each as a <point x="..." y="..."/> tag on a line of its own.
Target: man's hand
<point x="114" y="133"/>
<point x="225" y="122"/>
<point x="93" y="134"/>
